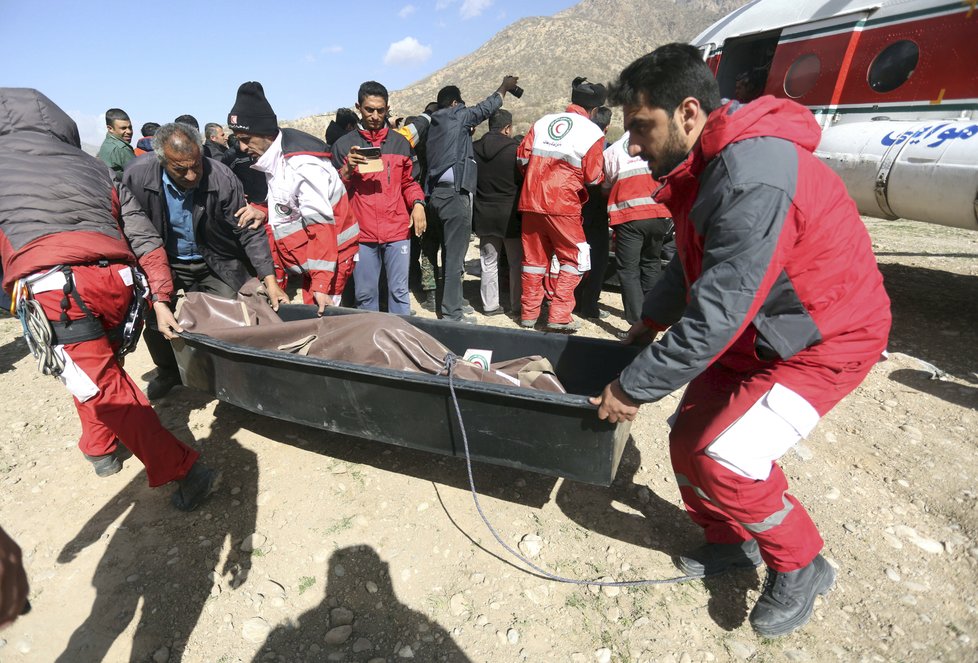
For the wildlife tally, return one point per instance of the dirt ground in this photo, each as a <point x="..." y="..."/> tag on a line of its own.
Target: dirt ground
<point x="319" y="547"/>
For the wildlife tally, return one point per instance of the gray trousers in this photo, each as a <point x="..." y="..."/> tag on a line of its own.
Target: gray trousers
<point x="489" y="251"/>
<point x="454" y="212"/>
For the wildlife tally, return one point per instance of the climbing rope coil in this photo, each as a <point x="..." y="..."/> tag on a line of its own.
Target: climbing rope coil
<point x="37" y="329"/>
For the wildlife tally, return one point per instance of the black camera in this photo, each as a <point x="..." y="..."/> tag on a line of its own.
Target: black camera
<point x="517" y="92"/>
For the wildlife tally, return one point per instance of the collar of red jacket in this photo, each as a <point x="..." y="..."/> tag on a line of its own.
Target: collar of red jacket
<point x="763" y="117"/>
<point x="579" y="110"/>
<point x="375" y="137"/>
<point x="733" y="122"/>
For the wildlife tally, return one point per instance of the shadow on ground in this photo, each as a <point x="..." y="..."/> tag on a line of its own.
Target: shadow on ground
<point x="361" y="615"/>
<point x="924" y="381"/>
<point x="934" y="317"/>
<point x="11" y="352"/>
<point x="526" y="488"/>
<point x="651" y="521"/>
<point x="158" y="560"/>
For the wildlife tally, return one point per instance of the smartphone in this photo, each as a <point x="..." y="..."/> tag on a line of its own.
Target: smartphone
<point x="369" y="152"/>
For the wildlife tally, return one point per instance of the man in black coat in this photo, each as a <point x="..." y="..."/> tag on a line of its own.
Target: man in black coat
<point x="595" y="218"/>
<point x="215" y="142"/>
<point x="192" y="201"/>
<point x="495" y="219"/>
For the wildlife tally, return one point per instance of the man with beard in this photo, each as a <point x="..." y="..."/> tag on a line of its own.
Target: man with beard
<point x="773" y="310"/>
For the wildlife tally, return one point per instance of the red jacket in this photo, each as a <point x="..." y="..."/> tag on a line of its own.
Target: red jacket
<point x="561" y="156"/>
<point x="381" y="201"/>
<point x="631" y="185"/>
<point x="309" y="214"/>
<point x="768" y="243"/>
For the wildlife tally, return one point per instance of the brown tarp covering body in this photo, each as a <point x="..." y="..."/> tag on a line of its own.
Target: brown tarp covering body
<point x="381" y="378"/>
<point x="367" y="338"/>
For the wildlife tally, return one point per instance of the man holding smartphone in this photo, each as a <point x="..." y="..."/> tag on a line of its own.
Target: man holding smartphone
<point x="378" y="165"/>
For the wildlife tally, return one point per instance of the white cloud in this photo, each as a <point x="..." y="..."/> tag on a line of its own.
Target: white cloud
<point x="311" y="58"/>
<point x="91" y="128"/>
<point x="409" y="51"/>
<point x="443" y="4"/>
<point x="407" y="10"/>
<point x="473" y="8"/>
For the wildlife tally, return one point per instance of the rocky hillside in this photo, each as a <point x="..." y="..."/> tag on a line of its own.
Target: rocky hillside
<point x="595" y="38"/>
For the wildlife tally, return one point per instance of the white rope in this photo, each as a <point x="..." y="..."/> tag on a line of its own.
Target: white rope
<point x="38" y="334"/>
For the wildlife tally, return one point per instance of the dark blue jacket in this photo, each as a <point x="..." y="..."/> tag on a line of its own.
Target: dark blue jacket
<point x="449" y="142"/>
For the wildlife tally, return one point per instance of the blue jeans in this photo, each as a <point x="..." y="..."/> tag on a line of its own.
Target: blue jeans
<point x="396" y="259"/>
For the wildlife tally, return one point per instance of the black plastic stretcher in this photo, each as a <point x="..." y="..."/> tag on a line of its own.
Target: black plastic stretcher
<point x="551" y="433"/>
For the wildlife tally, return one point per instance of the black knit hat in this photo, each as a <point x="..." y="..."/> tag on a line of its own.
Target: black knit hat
<point x="251" y="112"/>
<point x="587" y="95"/>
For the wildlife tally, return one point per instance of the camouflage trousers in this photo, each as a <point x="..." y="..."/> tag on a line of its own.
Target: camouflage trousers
<point x="422" y="270"/>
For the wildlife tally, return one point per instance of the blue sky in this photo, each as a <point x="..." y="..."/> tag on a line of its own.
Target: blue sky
<point x="160" y="60"/>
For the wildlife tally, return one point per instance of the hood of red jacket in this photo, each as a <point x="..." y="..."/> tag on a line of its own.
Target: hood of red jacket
<point x="764" y="117"/>
<point x="733" y="122"/>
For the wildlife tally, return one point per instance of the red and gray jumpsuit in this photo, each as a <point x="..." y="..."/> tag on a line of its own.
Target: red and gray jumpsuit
<point x="58" y="208"/>
<point x="775" y="311"/>
<point x="561" y="156"/>
<point x="312" y="230"/>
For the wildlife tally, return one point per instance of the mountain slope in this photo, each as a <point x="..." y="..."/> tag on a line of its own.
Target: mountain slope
<point x="595" y="38"/>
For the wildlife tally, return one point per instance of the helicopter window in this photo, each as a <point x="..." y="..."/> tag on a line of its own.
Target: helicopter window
<point x="802" y="75"/>
<point x="893" y="66"/>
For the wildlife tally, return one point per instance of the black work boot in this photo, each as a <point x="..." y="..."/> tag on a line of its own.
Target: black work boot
<point x="194" y="488"/>
<point x="161" y="385"/>
<point x="105" y="466"/>
<point x="712" y="558"/>
<point x="110" y="464"/>
<point x="429" y="303"/>
<point x="788" y="598"/>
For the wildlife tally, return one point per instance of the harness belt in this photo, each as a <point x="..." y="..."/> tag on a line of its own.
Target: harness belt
<point x="43" y="334"/>
<point x="79" y="331"/>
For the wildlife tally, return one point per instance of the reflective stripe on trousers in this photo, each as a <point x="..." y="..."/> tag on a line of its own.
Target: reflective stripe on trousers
<point x="773" y="520"/>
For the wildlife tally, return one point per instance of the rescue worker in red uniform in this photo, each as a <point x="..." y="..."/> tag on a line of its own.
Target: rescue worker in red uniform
<point x="640" y="224"/>
<point x="773" y="310"/>
<point x="560" y="157"/>
<point x="68" y="263"/>
<point x="311" y="226"/>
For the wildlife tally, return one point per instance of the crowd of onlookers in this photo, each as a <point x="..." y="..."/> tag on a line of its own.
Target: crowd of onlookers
<point x="772" y="310"/>
<point x="548" y="208"/>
